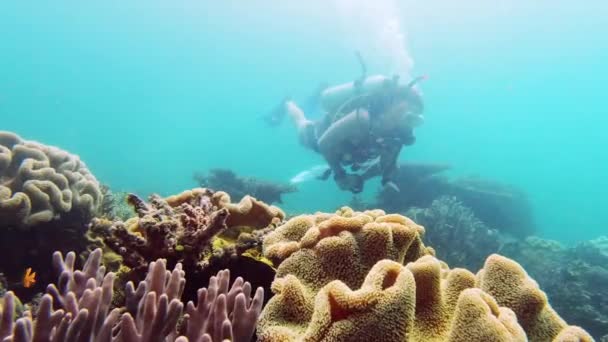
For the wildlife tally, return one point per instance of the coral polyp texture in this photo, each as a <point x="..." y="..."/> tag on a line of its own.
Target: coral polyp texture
<point x="77" y="308"/>
<point x="311" y="245"/>
<point x="364" y="276"/>
<point x="40" y="183"/>
<point x="181" y="228"/>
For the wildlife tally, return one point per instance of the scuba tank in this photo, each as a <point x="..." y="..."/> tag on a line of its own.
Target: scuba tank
<point x="334" y="97"/>
<point x="373" y="92"/>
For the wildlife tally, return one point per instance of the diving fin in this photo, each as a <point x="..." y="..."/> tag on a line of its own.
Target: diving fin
<point x="315" y="172"/>
<point x="391" y="185"/>
<point x="325" y="175"/>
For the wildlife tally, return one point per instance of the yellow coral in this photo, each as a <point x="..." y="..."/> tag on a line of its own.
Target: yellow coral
<point x="437" y="291"/>
<point x="510" y="285"/>
<point x="249" y="212"/>
<point x="383" y="306"/>
<point x="310" y="245"/>
<point x="39" y="183"/>
<point x="573" y="334"/>
<point x="334" y="283"/>
<point x="478" y="318"/>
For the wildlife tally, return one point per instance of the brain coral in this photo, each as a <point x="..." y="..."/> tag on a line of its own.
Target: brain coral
<point x="367" y="276"/>
<point x="40" y="183"/>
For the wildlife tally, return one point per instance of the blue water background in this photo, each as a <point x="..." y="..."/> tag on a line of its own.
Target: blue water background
<point x="147" y="92"/>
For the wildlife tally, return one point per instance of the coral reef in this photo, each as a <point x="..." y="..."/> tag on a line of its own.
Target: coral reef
<point x="197" y="228"/>
<point x="3" y="284"/>
<point x="313" y="243"/>
<point x="574" y="278"/>
<point x="448" y="220"/>
<point x="357" y="203"/>
<point x="47" y="198"/>
<point x="115" y="205"/>
<point x="239" y="187"/>
<point x="499" y="206"/>
<point x="420" y="184"/>
<point x="411" y="174"/>
<point x="40" y="183"/>
<point x="218" y="303"/>
<point x="77" y="308"/>
<point x="342" y="278"/>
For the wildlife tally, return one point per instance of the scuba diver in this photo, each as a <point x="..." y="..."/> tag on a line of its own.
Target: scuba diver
<point x="364" y="127"/>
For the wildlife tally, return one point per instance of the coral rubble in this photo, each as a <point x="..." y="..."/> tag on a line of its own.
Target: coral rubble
<point x="364" y="276"/>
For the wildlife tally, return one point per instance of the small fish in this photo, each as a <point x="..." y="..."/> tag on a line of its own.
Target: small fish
<point x="29" y="278"/>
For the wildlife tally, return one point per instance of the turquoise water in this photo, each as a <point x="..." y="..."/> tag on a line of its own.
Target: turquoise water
<point x="147" y="92"/>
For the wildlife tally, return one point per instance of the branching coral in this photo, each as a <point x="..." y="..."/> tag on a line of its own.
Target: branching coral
<point x="153" y="309"/>
<point x="40" y="183"/>
<point x="115" y="206"/>
<point x="183" y="229"/>
<point x="180" y="228"/>
<point x="334" y="283"/>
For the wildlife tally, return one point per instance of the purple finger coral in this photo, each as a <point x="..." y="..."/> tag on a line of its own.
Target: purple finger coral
<point x="77" y="308"/>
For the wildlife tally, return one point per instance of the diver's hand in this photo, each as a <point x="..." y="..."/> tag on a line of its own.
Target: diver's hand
<point x="387" y="183"/>
<point x="350" y="182"/>
<point x="409" y="140"/>
<point x="392" y="186"/>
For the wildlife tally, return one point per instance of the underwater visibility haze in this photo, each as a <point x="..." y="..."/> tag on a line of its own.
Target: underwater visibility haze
<point x="156" y="97"/>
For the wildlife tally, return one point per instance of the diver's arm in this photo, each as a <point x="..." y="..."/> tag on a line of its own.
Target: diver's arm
<point x="333" y="160"/>
<point x="390" y="154"/>
<point x="388" y="161"/>
<point x="347" y="128"/>
<point x="296" y="114"/>
<point x="406" y="135"/>
<point x="350" y="127"/>
<point x="373" y="171"/>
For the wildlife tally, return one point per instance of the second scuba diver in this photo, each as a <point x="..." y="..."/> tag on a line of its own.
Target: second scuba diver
<point x="364" y="127"/>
